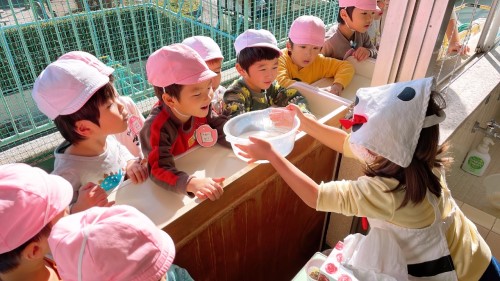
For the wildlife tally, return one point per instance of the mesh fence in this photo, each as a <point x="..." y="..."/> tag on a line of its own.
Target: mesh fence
<point x="122" y="34"/>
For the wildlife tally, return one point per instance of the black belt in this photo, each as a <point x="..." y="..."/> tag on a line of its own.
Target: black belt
<point x="431" y="268"/>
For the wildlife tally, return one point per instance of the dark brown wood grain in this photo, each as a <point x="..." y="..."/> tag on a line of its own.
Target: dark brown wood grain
<point x="259" y="229"/>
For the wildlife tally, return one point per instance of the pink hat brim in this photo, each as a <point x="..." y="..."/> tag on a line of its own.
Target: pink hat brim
<point x="61" y="192"/>
<point x="163" y="262"/>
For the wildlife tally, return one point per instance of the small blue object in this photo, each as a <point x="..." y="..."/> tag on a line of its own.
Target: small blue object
<point x="112" y="181"/>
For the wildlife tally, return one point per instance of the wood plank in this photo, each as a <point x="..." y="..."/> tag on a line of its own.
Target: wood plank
<point x="259" y="229"/>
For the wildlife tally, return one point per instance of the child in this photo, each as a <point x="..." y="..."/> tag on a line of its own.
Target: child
<point x="350" y="37"/>
<point x="395" y="132"/>
<point x="115" y="243"/>
<point x="83" y="103"/>
<point x="375" y="29"/>
<point x="31" y="202"/>
<point x="303" y="62"/>
<point x="130" y="137"/>
<point x="257" y="56"/>
<point x="212" y="55"/>
<point x="183" y="85"/>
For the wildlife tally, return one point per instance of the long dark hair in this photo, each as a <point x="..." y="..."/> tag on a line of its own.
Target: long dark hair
<point x="418" y="177"/>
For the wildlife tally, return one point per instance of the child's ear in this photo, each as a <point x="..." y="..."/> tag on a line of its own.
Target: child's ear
<point x="240" y="69"/>
<point x="288" y="46"/>
<point x="34" y="251"/>
<point x="343" y="14"/>
<point x="168" y="99"/>
<point x="83" y="127"/>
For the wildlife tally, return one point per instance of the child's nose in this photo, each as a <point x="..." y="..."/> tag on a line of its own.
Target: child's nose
<point x="121" y="106"/>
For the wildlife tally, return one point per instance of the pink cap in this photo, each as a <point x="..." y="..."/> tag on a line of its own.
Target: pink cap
<point x="90" y="60"/>
<point x="177" y="64"/>
<point x="64" y="86"/>
<point x="360" y="4"/>
<point x="29" y="199"/>
<point x="307" y="30"/>
<point x="255" y="38"/>
<point x="110" y="243"/>
<point x="205" y="46"/>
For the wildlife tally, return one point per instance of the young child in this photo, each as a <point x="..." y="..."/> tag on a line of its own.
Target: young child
<point x="115" y="243"/>
<point x="31" y="202"/>
<point x="257" y="56"/>
<point x="212" y="55"/>
<point x="350" y="37"/>
<point x="130" y="137"/>
<point x="375" y="29"/>
<point x="83" y="103"/>
<point x="395" y="132"/>
<point x="303" y="62"/>
<point x="182" y="117"/>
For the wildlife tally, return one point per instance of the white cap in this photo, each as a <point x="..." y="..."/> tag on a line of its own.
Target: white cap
<point x="64" y="86"/>
<point x="205" y="47"/>
<point x="255" y="38"/>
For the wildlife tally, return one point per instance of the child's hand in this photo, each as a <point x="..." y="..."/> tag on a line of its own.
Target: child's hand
<point x="282" y="117"/>
<point x="458" y="48"/>
<point x="205" y="188"/>
<point x="137" y="170"/>
<point x="336" y="89"/>
<point x="361" y="54"/>
<point x="90" y="195"/>
<point x="298" y="112"/>
<point x="257" y="149"/>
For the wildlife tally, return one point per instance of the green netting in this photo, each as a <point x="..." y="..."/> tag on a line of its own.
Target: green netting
<point x="122" y="34"/>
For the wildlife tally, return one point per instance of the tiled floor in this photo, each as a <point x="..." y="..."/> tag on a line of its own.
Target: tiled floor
<point x="487" y="225"/>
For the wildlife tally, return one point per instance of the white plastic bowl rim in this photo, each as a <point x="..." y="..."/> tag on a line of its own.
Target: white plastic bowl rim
<point x="232" y="139"/>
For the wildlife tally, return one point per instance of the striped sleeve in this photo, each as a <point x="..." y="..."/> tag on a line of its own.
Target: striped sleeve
<point x="157" y="137"/>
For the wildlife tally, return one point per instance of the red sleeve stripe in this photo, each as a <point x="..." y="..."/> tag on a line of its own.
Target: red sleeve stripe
<point x="158" y="172"/>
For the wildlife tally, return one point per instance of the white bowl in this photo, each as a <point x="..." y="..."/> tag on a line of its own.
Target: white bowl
<point x="258" y="124"/>
<point x="492" y="185"/>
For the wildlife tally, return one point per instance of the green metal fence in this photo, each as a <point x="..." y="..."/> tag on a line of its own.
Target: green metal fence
<point x="121" y="33"/>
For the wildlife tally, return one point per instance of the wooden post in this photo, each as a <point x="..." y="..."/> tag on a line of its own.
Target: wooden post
<point x="411" y="33"/>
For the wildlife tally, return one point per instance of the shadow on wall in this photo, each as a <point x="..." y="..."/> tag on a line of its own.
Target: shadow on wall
<point x="453" y="101"/>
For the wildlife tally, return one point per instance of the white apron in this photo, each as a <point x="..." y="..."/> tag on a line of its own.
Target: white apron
<point x="425" y="250"/>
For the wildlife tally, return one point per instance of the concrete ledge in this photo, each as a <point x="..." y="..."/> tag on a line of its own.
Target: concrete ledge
<point x="469" y="90"/>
